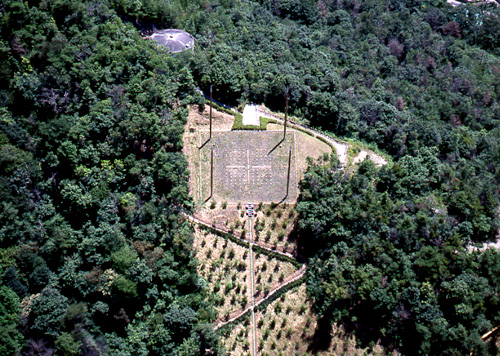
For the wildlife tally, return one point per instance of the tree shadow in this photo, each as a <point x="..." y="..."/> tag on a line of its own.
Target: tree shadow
<point x="322" y="338"/>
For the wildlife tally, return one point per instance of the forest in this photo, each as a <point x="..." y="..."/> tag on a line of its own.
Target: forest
<point x="95" y="257"/>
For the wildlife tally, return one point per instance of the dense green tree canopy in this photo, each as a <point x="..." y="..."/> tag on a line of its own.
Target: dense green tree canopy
<point x="92" y="184"/>
<point x="390" y="260"/>
<point x="92" y="180"/>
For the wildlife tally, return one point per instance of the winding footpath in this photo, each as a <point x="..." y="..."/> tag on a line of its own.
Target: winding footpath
<point x="458" y="3"/>
<point x="340" y="147"/>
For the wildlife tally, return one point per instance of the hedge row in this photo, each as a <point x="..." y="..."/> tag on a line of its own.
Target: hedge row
<point x="259" y="249"/>
<point x="221" y="108"/>
<point x="279" y="293"/>
<point x="223" y="330"/>
<point x="322" y="139"/>
<point x="245" y="244"/>
<point x="226" y="235"/>
<point x="238" y="123"/>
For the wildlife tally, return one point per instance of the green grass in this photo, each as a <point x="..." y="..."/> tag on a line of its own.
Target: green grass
<point x="238" y="123"/>
<point x="248" y="166"/>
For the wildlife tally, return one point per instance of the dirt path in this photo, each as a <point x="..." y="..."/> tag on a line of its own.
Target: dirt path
<point x="260" y="299"/>
<point x="256" y="301"/>
<point x="458" y="3"/>
<point x="340" y="147"/>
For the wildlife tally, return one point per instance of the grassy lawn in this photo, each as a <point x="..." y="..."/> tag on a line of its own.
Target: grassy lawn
<point x="249" y="166"/>
<point x="307" y="146"/>
<point x="247" y="169"/>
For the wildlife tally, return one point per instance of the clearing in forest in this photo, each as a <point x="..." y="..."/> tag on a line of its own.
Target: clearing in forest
<point x="248" y="166"/>
<point x="252" y="166"/>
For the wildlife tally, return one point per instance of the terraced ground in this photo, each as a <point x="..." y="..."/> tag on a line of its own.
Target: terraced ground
<point x="252" y="167"/>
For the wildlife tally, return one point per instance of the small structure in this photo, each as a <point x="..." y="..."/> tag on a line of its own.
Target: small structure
<point x="250" y="116"/>
<point x="175" y="40"/>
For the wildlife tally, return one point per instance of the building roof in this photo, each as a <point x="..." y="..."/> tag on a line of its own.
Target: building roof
<point x="175" y="40"/>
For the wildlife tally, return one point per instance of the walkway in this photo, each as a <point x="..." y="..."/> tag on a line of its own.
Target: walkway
<point x="458" y="3"/>
<point x="256" y="301"/>
<point x="340" y="147"/>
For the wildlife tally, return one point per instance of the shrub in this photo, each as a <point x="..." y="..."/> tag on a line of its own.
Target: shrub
<point x="281" y="235"/>
<point x="229" y="286"/>
<point x="273" y="224"/>
<point x="265" y="334"/>
<point x="242" y="265"/>
<point x="224" y="205"/>
<point x="213" y="204"/>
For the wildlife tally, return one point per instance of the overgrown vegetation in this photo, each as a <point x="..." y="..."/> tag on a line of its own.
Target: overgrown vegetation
<point x="389" y="258"/>
<point x="94" y="255"/>
<point x="95" y="258"/>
